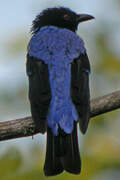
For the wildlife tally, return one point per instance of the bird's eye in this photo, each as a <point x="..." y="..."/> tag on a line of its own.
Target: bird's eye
<point x="66" y="17"/>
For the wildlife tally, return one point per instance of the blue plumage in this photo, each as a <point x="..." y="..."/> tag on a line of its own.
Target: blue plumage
<point x="51" y="42"/>
<point x="57" y="48"/>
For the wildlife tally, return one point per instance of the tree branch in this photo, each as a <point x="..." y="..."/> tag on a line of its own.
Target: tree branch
<point x="24" y="127"/>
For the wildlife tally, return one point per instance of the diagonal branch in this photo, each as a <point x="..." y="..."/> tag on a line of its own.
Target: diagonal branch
<point x="26" y="127"/>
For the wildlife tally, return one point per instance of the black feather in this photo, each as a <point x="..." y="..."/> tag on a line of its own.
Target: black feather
<point x="80" y="93"/>
<point x="71" y="159"/>
<point x="53" y="164"/>
<point x="55" y="17"/>
<point x="39" y="91"/>
<point x="62" y="153"/>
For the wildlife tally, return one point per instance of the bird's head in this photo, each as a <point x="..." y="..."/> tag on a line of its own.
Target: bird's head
<point x="59" y="17"/>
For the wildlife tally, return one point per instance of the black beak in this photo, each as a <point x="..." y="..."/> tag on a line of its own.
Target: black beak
<point x="84" y="17"/>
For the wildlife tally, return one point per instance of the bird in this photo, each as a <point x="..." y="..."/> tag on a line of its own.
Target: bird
<point x="58" y="71"/>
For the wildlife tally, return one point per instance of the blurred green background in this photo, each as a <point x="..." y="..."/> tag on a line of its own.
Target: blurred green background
<point x="22" y="159"/>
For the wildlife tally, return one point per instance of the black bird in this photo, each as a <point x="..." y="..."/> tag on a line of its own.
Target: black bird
<point x="58" y="70"/>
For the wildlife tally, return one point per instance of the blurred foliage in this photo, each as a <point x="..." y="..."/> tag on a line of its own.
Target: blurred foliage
<point x="16" y="44"/>
<point x="15" y="166"/>
<point x="107" y="61"/>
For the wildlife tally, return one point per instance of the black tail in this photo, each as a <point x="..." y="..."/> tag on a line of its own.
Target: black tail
<point x="62" y="153"/>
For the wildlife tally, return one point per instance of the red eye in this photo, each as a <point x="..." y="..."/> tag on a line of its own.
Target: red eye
<point x="66" y="17"/>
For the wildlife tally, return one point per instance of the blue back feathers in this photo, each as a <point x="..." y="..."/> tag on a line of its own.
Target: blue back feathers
<point x="58" y="47"/>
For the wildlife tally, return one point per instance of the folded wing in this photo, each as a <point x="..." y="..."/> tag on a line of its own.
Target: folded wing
<point x="39" y="91"/>
<point x="80" y="92"/>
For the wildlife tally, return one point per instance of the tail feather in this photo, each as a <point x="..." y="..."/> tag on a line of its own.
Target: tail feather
<point x="53" y="164"/>
<point x="62" y="153"/>
<point x="71" y="160"/>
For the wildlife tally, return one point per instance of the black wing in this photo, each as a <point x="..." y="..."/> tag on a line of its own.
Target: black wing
<point x="39" y="91"/>
<point x="80" y="92"/>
